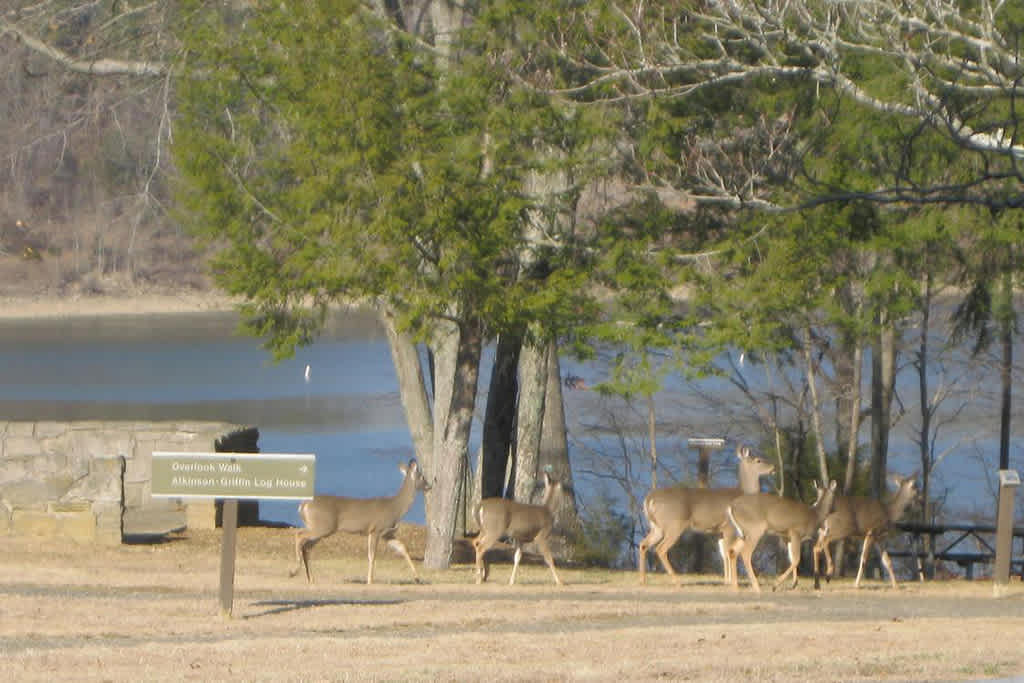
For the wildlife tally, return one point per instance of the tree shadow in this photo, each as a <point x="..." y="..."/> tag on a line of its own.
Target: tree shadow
<point x="284" y="606"/>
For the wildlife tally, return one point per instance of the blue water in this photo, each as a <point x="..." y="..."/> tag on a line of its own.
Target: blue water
<point x="347" y="410"/>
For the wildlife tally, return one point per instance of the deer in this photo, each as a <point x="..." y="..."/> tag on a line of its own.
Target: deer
<point x="376" y="517"/>
<point x="754" y="515"/>
<point x="861" y="516"/>
<point x="521" y="522"/>
<point x="672" y="510"/>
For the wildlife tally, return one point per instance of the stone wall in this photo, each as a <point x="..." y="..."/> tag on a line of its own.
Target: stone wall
<point x="90" y="481"/>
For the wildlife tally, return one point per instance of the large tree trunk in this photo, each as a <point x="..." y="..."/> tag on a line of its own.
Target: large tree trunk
<point x="853" y="405"/>
<point x="812" y="386"/>
<point x="500" y="417"/>
<point x="883" y="374"/>
<point x="533" y="375"/>
<point x="1007" y="325"/>
<point x="924" y="399"/>
<point x="412" y="389"/>
<point x="457" y="365"/>
<point x="554" y="443"/>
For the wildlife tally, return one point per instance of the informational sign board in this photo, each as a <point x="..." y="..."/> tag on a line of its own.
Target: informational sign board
<point x="238" y="476"/>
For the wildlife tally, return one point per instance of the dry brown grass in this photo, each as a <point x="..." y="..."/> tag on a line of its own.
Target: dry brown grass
<point x="151" y="612"/>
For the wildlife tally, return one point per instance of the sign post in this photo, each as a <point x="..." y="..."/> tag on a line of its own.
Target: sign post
<point x="232" y="477"/>
<point x="704" y="446"/>
<point x="1009" y="480"/>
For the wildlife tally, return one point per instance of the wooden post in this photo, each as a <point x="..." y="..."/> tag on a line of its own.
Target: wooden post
<point x="1009" y="480"/>
<point x="704" y="448"/>
<point x="229" y="525"/>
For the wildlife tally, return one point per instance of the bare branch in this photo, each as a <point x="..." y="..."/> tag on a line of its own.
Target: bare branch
<point x="97" y="67"/>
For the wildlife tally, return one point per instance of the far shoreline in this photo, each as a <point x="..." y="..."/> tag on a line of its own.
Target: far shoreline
<point x="48" y="306"/>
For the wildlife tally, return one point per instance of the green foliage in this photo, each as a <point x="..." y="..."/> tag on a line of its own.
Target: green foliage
<point x="603" y="536"/>
<point x="330" y="157"/>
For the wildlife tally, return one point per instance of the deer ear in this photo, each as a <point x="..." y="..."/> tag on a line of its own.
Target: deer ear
<point x="404" y="469"/>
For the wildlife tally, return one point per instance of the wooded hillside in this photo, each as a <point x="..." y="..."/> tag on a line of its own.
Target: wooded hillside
<point x="84" y="178"/>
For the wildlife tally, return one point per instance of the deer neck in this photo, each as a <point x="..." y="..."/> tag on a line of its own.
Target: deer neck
<point x="549" y="500"/>
<point x="824" y="505"/>
<point x="750" y="481"/>
<point x="406" y="494"/>
<point x="896" y="507"/>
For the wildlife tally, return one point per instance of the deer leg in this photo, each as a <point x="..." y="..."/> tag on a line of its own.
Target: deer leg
<point x="666" y="543"/>
<point x="515" y="564"/>
<point x="739" y="550"/>
<point x="399" y="547"/>
<point x="545" y="550"/>
<point x="652" y="538"/>
<point x="481" y="544"/>
<point x="887" y="563"/>
<point x="298" y="553"/>
<point x="303" y="544"/>
<point x="830" y="568"/>
<point x="371" y="554"/>
<point x="793" y="550"/>
<point x="863" y="559"/>
<point x="725" y="542"/>
<point x="822" y="546"/>
<point x="724" y="552"/>
<point x="747" y="552"/>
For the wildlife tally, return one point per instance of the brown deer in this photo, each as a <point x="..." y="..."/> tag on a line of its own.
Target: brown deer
<point x="672" y="510"/>
<point x="860" y="516"/>
<point x="520" y="522"/>
<point x="753" y="516"/>
<point x="376" y="517"/>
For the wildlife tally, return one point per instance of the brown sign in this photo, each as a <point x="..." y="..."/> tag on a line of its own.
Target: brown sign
<point x="241" y="476"/>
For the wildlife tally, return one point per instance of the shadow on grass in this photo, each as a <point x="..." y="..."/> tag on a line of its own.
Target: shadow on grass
<point x="283" y="606"/>
<point x="154" y="538"/>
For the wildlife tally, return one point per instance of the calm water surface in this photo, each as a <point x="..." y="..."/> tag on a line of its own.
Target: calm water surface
<point x="347" y="412"/>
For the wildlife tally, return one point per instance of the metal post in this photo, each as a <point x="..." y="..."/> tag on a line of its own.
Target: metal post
<point x="229" y="526"/>
<point x="1009" y="480"/>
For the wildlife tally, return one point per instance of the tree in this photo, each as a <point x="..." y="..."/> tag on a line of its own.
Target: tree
<point x="86" y="99"/>
<point x="332" y="157"/>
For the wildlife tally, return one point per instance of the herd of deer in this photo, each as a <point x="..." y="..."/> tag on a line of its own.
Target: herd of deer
<point x="740" y="517"/>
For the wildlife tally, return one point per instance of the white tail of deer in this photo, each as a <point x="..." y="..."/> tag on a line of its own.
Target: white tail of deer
<point x="860" y="516"/>
<point x="376" y="517"/>
<point x="672" y="510"/>
<point x="753" y="516"/>
<point x="521" y="522"/>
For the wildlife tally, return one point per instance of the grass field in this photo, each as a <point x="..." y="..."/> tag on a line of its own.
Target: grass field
<point x="150" y="612"/>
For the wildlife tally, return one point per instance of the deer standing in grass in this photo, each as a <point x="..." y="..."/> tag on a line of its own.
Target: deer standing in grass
<point x="857" y="516"/>
<point x="672" y="510"/>
<point x="521" y="522"/>
<point x="376" y="517"/>
<point x="753" y="516"/>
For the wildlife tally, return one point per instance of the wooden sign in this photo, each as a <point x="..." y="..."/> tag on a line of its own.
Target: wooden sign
<point x="239" y="476"/>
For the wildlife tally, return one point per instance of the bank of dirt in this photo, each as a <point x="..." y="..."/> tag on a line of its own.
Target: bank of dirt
<point x="150" y="611"/>
<point x="53" y="306"/>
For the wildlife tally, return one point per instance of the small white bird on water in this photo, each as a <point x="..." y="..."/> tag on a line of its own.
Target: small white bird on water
<point x="307" y="373"/>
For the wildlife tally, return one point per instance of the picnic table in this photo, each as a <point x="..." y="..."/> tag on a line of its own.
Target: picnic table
<point x="940" y="548"/>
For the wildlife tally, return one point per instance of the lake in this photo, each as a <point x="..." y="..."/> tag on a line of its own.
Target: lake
<point x="347" y="409"/>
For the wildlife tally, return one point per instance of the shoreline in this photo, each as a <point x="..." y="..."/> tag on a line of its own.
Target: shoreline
<point x="48" y="306"/>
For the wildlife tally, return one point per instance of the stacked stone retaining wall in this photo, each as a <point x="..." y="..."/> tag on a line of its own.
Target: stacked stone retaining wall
<point x="91" y="481"/>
